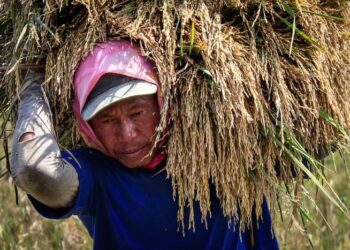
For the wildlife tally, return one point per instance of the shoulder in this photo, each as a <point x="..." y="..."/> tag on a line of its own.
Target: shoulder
<point x="81" y="152"/>
<point x="90" y="159"/>
<point x="81" y="156"/>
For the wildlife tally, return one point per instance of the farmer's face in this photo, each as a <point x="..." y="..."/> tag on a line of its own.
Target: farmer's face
<point x="127" y="128"/>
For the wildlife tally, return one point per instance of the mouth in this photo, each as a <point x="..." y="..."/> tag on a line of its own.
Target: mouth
<point x="132" y="153"/>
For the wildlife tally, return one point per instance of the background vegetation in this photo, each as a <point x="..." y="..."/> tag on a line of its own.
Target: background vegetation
<point x="21" y="227"/>
<point x="328" y="228"/>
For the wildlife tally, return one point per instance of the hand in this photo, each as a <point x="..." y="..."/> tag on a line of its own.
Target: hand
<point x="32" y="82"/>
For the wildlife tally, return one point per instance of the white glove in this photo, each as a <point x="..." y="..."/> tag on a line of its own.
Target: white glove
<point x="36" y="163"/>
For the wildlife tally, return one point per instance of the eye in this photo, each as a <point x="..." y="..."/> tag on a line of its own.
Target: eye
<point x="137" y="114"/>
<point x="106" y="120"/>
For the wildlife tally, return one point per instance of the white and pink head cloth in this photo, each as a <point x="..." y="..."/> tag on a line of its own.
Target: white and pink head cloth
<point x="114" y="56"/>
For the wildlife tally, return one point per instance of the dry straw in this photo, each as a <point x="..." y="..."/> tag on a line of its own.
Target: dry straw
<point x="244" y="85"/>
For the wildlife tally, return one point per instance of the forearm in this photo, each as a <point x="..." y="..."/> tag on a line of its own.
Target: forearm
<point x="36" y="163"/>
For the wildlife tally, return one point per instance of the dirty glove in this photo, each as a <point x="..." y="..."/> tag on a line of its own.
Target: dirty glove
<point x="36" y="163"/>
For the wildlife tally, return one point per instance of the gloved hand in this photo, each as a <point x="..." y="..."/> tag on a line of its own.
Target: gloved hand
<point x="33" y="104"/>
<point x="36" y="164"/>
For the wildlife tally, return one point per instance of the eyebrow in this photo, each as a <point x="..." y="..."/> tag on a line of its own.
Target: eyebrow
<point x="105" y="115"/>
<point x="102" y="116"/>
<point x="139" y="102"/>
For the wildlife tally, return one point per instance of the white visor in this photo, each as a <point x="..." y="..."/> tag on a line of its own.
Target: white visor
<point x="115" y="94"/>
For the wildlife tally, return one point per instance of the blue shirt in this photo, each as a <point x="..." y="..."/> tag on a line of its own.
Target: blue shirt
<point x="126" y="208"/>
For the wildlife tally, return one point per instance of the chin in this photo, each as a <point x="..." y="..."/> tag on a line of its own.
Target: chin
<point x="137" y="163"/>
<point x="139" y="160"/>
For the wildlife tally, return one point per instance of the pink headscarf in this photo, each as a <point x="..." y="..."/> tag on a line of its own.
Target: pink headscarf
<point x="115" y="56"/>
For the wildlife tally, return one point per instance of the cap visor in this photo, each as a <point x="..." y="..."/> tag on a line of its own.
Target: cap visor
<point x="118" y="93"/>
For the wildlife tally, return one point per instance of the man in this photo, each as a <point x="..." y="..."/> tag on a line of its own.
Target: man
<point x="115" y="185"/>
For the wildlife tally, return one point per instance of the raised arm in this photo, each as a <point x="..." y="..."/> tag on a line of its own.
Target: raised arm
<point x="36" y="164"/>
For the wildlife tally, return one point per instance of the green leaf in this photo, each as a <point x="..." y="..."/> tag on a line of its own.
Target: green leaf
<point x="313" y="178"/>
<point x="334" y="123"/>
<point x="181" y="45"/>
<point x="292" y="11"/>
<point x="302" y="214"/>
<point x="289" y="9"/>
<point x="299" y="32"/>
<point x="305" y="214"/>
<point x="324" y="15"/>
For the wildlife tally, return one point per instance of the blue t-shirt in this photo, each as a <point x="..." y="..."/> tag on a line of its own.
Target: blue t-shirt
<point x="134" y="209"/>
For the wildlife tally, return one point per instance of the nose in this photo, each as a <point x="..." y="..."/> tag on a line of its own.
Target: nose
<point x="128" y="131"/>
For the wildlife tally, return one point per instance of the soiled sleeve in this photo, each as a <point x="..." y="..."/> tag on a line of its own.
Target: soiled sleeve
<point x="36" y="163"/>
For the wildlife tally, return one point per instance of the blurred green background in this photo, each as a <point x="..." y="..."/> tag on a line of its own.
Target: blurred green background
<point x="21" y="227"/>
<point x="329" y="228"/>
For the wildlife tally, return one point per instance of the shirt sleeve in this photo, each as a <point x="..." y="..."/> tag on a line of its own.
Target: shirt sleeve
<point x="83" y="204"/>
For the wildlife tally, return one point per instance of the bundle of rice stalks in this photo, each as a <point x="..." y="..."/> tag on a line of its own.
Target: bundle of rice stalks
<point x="250" y="86"/>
